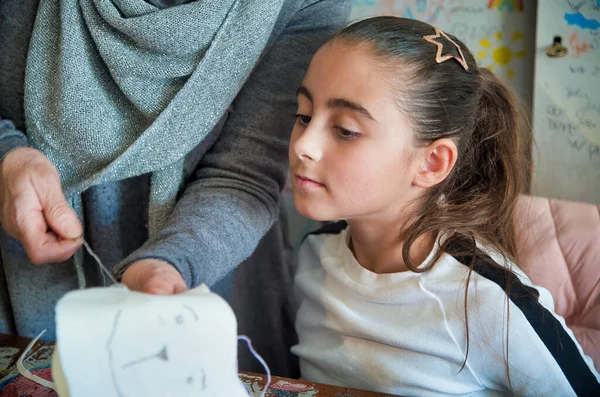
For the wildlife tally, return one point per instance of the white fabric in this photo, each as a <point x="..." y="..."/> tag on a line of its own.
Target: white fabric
<point x="404" y="333"/>
<point x="116" y="342"/>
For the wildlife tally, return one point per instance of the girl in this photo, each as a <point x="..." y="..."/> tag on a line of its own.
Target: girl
<point x="421" y="153"/>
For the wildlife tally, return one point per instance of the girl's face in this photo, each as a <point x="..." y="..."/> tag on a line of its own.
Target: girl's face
<point x="352" y="154"/>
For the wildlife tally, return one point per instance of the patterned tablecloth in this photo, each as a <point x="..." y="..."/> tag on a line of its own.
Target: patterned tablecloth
<point x="38" y="361"/>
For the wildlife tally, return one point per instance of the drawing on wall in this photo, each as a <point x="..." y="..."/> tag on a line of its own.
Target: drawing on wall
<point x="578" y="46"/>
<point x="587" y="113"/>
<point x="432" y="10"/>
<point x="579" y="15"/>
<point x="506" y="5"/>
<point x="498" y="56"/>
<point x="428" y="11"/>
<point x="576" y="117"/>
<point x="576" y="141"/>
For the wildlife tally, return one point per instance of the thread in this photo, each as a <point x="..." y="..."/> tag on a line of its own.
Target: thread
<point x="260" y="360"/>
<point x="98" y="261"/>
<point x="26" y="373"/>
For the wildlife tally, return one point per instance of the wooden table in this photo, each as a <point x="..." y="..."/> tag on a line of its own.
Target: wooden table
<point x="11" y="348"/>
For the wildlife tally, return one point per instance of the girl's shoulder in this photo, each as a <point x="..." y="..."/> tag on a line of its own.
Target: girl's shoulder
<point x="490" y="282"/>
<point x="490" y="270"/>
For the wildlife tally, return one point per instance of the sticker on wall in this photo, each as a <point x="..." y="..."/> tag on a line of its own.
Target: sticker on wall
<point x="498" y="56"/>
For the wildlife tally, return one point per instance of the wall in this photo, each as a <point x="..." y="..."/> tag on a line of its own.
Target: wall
<point x="567" y="102"/>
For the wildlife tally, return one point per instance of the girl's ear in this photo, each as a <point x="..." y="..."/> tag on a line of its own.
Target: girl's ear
<point x="438" y="160"/>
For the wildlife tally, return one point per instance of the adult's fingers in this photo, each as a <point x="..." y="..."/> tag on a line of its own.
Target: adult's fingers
<point x="44" y="246"/>
<point x="61" y="218"/>
<point x="155" y="277"/>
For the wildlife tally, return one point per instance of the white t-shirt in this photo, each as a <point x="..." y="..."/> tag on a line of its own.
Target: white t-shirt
<point x="404" y="333"/>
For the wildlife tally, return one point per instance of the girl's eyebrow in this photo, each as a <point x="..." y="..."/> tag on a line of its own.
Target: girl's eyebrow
<point x="345" y="103"/>
<point x="338" y="103"/>
<point x="304" y="91"/>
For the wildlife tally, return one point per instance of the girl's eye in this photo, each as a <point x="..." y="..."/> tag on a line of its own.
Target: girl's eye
<point x="347" y="135"/>
<point x="302" y="119"/>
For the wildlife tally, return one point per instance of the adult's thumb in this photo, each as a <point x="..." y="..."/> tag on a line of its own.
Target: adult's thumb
<point x="61" y="218"/>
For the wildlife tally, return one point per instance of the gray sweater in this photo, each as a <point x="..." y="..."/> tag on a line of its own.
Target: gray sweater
<point x="215" y="235"/>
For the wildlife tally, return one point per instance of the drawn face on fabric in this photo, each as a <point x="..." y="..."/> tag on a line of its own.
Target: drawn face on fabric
<point x="168" y="329"/>
<point x="352" y="151"/>
<point x="116" y="342"/>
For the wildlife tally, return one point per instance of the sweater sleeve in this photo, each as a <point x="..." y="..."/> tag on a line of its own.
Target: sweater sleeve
<point x="16" y="24"/>
<point x="233" y="198"/>
<point x="10" y="138"/>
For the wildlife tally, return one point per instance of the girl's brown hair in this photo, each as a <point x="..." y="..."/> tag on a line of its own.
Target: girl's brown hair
<point x="477" y="201"/>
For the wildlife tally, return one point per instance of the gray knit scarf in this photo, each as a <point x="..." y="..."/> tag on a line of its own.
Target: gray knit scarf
<point x="120" y="88"/>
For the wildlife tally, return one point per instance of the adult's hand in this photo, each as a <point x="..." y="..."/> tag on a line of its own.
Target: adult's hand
<point x="154" y="276"/>
<point x="33" y="208"/>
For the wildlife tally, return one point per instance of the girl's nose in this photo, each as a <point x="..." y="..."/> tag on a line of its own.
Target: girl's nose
<point x="309" y="146"/>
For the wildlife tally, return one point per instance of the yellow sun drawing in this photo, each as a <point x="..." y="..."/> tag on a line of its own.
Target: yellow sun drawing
<point x="500" y="54"/>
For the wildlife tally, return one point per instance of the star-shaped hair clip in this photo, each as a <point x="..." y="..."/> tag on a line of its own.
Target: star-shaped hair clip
<point x="439" y="58"/>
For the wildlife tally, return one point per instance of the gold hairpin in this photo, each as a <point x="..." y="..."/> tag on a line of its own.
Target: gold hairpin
<point x="438" y="56"/>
